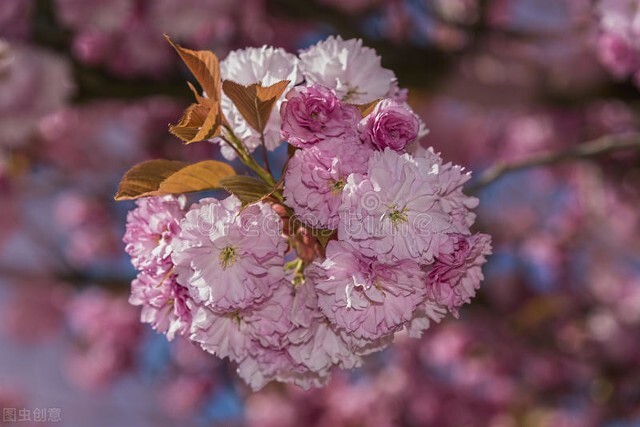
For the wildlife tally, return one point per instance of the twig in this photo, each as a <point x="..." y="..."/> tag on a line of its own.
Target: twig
<point x="596" y="147"/>
<point x="265" y="155"/>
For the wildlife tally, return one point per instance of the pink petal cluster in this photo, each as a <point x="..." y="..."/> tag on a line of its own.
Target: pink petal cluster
<point x="149" y="237"/>
<point x="352" y="70"/>
<point x="254" y="283"/>
<point x="456" y="274"/>
<point x="229" y="258"/>
<point x="394" y="211"/>
<point x="311" y="114"/>
<point x="151" y="228"/>
<point x="365" y="297"/>
<point x="316" y="176"/>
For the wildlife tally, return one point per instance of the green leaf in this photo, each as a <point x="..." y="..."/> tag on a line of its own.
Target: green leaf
<point x="158" y="177"/>
<point x="246" y="188"/>
<point x="255" y="101"/>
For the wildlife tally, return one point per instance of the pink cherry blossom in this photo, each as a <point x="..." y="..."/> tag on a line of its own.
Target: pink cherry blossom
<point x="267" y="66"/>
<point x="391" y="124"/>
<point x="311" y="114"/>
<point x="316" y="176"/>
<point x="151" y="229"/>
<point x="230" y="258"/>
<point x="166" y="305"/>
<point x="365" y="297"/>
<point x="352" y="70"/>
<point x="314" y="342"/>
<point x="395" y="211"/>
<point x="456" y="274"/>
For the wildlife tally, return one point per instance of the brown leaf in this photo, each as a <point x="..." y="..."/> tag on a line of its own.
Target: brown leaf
<point x="255" y="101"/>
<point x="246" y="188"/>
<point x="204" y="66"/>
<point x="158" y="177"/>
<point x="199" y="122"/>
<point x="366" y="109"/>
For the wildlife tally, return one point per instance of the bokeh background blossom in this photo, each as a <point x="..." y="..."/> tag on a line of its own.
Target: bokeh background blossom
<point x="87" y="88"/>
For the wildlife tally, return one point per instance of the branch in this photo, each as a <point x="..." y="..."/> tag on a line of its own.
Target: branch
<point x="603" y="145"/>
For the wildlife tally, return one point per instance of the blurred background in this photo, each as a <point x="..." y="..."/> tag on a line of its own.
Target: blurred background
<point x="87" y="88"/>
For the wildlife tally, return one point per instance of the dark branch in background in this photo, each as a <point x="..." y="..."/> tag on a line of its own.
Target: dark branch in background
<point x="416" y="66"/>
<point x="597" y="147"/>
<point x="94" y="82"/>
<point x="75" y="278"/>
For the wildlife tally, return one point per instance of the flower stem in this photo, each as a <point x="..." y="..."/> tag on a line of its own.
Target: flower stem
<point x="247" y="159"/>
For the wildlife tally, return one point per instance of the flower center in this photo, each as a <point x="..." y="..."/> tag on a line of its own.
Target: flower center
<point x="227" y="256"/>
<point x="351" y="93"/>
<point x="337" y="186"/>
<point x="397" y="216"/>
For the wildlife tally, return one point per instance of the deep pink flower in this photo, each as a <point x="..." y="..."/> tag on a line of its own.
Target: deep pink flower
<point x="312" y="114"/>
<point x="228" y="258"/>
<point x="391" y="124"/>
<point x="316" y="176"/>
<point x="365" y="297"/>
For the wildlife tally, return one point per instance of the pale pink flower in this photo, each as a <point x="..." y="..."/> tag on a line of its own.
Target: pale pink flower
<point x="256" y="338"/>
<point x="314" y="342"/>
<point x="220" y="334"/>
<point x="267" y="66"/>
<point x="395" y="211"/>
<point x="166" y="305"/>
<point x="352" y="70"/>
<point x="456" y="274"/>
<point x="151" y="229"/>
<point x="229" y="258"/>
<point x="311" y="114"/>
<point x="316" y="176"/>
<point x="426" y="313"/>
<point x="365" y="297"/>
<point x="451" y="179"/>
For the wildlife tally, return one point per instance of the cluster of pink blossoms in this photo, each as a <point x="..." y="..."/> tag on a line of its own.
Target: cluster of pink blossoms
<point x="370" y="234"/>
